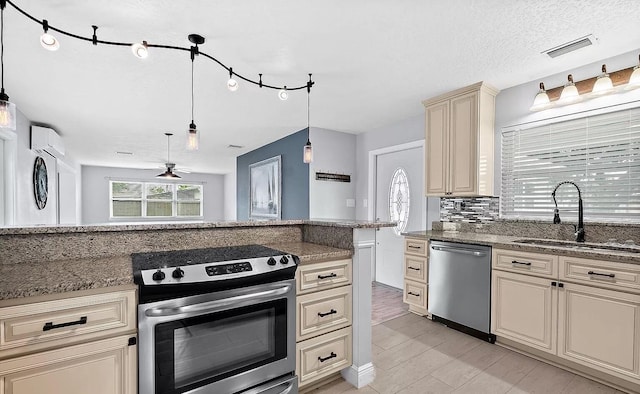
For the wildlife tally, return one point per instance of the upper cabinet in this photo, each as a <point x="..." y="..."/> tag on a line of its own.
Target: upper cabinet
<point x="460" y="139"/>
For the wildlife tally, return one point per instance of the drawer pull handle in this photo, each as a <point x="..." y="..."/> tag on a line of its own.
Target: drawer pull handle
<point x="599" y="274"/>
<point x="50" y="326"/>
<point x="414" y="268"/>
<point x="323" y="359"/>
<point x="413" y="294"/>
<point x="331" y="312"/>
<point x="520" y="262"/>
<point x="331" y="275"/>
<point x="415" y="247"/>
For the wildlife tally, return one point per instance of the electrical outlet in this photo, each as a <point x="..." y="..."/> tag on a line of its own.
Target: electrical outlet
<point x="351" y="203"/>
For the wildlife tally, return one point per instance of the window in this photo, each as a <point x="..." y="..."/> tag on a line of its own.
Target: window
<point x="600" y="153"/>
<point x="399" y="200"/>
<point x="155" y="200"/>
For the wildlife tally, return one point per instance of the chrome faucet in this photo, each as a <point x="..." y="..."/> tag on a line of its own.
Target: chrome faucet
<point x="579" y="229"/>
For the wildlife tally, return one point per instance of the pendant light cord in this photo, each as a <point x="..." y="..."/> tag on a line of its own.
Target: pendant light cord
<point x="192" y="90"/>
<point x="2" y="46"/>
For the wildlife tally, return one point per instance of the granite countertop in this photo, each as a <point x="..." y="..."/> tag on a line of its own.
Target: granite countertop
<point x="507" y="242"/>
<point x="112" y="227"/>
<point x="60" y="276"/>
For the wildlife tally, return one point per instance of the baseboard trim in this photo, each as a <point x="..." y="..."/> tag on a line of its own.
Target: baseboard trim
<point x="359" y="376"/>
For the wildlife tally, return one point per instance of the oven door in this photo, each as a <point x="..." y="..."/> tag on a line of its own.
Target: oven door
<point x="222" y="342"/>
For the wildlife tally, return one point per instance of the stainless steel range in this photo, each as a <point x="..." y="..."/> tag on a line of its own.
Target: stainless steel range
<point x="211" y="326"/>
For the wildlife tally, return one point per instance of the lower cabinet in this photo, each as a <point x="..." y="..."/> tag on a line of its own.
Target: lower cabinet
<point x="323" y="320"/>
<point x="101" y="367"/>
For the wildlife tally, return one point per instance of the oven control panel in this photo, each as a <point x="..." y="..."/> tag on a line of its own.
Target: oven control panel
<point x="206" y="272"/>
<point x="226" y="269"/>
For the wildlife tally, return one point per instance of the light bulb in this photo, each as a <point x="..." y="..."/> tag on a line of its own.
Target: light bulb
<point x="193" y="138"/>
<point x="49" y="42"/>
<point x="7" y="114"/>
<point x="140" y="50"/>
<point x="307" y="153"/>
<point x="603" y="84"/>
<point x="541" y="101"/>
<point x="634" y="79"/>
<point x="232" y="84"/>
<point x="570" y="92"/>
<point x="283" y="94"/>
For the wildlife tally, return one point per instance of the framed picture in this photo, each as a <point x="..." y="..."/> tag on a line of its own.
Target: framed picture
<point x="265" y="189"/>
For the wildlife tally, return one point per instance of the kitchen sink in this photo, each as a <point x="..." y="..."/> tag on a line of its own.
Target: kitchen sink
<point x="580" y="245"/>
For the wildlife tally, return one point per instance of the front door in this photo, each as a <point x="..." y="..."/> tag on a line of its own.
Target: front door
<point x="399" y="197"/>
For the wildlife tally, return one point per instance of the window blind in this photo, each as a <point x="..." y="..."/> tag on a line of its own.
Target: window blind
<point x="600" y="153"/>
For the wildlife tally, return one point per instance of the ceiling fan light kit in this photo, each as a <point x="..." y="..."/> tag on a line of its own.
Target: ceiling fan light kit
<point x="170" y="166"/>
<point x="141" y="51"/>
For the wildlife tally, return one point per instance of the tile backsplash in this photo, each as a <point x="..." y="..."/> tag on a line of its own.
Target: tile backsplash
<point x="469" y="210"/>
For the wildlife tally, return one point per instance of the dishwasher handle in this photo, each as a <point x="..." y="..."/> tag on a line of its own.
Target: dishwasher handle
<point x="449" y="249"/>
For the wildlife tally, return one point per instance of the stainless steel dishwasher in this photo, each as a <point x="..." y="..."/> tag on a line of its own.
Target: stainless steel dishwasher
<point x="460" y="287"/>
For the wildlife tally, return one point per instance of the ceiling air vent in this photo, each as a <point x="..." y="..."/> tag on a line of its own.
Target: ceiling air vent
<point x="571" y="46"/>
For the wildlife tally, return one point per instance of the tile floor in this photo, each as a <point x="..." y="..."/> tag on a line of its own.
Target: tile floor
<point x="414" y="355"/>
<point x="387" y="303"/>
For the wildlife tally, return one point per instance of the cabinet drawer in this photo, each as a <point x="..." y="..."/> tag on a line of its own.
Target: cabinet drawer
<point x="320" y="276"/>
<point x="415" y="293"/>
<point x="617" y="276"/>
<point x="322" y="312"/>
<point x="415" y="246"/>
<point x="322" y="356"/>
<point x="415" y="268"/>
<point x="25" y="328"/>
<point x="525" y="262"/>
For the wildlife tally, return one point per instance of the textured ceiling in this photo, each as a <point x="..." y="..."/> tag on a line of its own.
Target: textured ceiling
<point x="373" y="62"/>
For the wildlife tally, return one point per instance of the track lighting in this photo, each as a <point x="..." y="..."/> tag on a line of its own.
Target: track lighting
<point x="570" y="93"/>
<point x="603" y="83"/>
<point x="140" y="50"/>
<point x="232" y="84"/>
<point x="634" y="79"/>
<point x="48" y="41"/>
<point x="541" y="101"/>
<point x="283" y="94"/>
<point x="7" y="108"/>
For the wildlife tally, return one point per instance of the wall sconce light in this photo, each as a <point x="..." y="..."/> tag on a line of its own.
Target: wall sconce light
<point x="541" y="101"/>
<point x="572" y="92"/>
<point x="603" y="84"/>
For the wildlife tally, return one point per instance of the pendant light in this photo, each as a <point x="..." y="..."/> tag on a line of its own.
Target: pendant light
<point x="570" y="92"/>
<point x="193" y="138"/>
<point x="7" y="108"/>
<point x="542" y="99"/>
<point x="603" y="84"/>
<point x="170" y="166"/>
<point x="307" y="150"/>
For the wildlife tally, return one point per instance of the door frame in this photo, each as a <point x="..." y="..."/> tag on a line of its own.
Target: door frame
<point x="373" y="171"/>
<point x="9" y="157"/>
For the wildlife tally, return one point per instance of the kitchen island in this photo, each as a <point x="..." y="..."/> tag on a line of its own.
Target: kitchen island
<point x="37" y="262"/>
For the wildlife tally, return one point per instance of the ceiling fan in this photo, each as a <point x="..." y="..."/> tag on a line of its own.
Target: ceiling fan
<point x="170" y="167"/>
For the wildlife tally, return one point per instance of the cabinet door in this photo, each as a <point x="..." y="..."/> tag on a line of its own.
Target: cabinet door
<point x="101" y="367"/>
<point x="600" y="328"/>
<point x="463" y="143"/>
<point x="437" y="123"/>
<point x="524" y="310"/>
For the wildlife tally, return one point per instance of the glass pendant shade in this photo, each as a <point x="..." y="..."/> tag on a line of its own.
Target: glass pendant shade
<point x="541" y="101"/>
<point x="603" y="84"/>
<point x="307" y="154"/>
<point x="193" y="138"/>
<point x="49" y="42"/>
<point x="140" y="50"/>
<point x="570" y="92"/>
<point x="7" y="113"/>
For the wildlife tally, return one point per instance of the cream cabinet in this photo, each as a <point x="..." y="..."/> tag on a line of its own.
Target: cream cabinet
<point x="416" y="274"/>
<point x="587" y="313"/>
<point x="323" y="320"/>
<point x="70" y="343"/>
<point x="460" y="142"/>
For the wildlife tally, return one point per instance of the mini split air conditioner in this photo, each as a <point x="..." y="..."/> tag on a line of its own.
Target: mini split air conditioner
<point x="44" y="139"/>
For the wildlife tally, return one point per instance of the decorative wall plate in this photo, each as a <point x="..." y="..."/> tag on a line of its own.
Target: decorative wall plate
<point x="40" y="182"/>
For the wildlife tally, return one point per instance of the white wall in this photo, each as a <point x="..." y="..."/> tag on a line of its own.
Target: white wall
<point x="95" y="191"/>
<point x="333" y="152"/>
<point x="230" y="196"/>
<point x="512" y="105"/>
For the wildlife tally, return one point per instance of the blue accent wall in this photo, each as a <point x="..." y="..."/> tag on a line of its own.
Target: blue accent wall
<point x="295" y="176"/>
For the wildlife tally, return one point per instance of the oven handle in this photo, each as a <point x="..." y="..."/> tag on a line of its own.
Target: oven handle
<point x="216" y="305"/>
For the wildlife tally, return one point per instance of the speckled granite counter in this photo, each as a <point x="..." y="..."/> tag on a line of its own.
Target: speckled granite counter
<point x="508" y="242"/>
<point x="59" y="276"/>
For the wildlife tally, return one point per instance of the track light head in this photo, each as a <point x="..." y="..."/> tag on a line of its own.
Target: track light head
<point x="140" y="50"/>
<point x="283" y="94"/>
<point x="48" y="41"/>
<point x="232" y="84"/>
